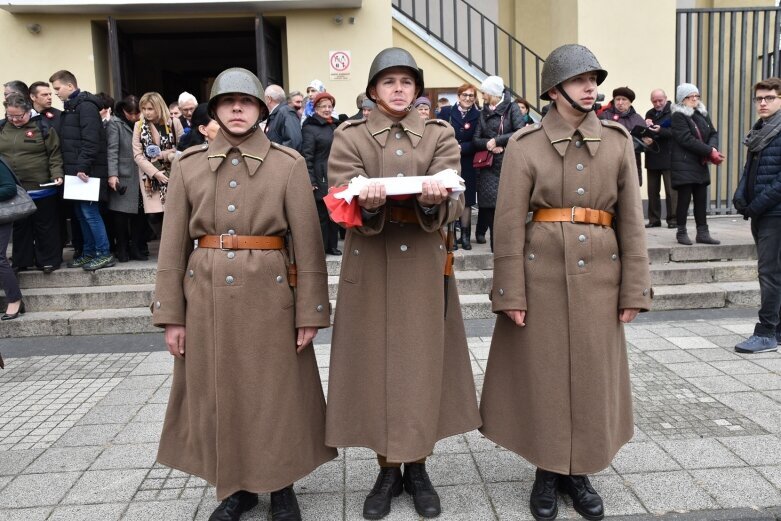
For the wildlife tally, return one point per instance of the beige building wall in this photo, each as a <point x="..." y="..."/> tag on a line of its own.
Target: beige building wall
<point x="65" y="42"/>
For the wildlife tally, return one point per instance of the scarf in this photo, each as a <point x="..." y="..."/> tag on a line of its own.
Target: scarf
<point x="763" y="132"/>
<point x="162" y="136"/>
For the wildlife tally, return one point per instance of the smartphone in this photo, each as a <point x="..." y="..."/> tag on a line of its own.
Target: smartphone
<point x="43" y="185"/>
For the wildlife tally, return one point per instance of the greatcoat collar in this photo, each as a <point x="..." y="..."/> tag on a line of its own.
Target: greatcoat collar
<point x="380" y="126"/>
<point x="253" y="149"/>
<point x="560" y="133"/>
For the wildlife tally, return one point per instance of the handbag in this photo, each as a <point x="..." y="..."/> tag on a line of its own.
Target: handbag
<point x="485" y="158"/>
<point x="19" y="206"/>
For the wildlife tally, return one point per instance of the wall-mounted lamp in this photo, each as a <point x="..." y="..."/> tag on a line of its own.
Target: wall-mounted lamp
<point x="34" y="28"/>
<point x="338" y="19"/>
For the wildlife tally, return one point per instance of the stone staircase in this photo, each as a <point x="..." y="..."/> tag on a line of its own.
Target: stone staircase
<point x="116" y="300"/>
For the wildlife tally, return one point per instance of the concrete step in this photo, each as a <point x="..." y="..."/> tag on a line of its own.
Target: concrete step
<point x="674" y="273"/>
<point x="89" y="322"/>
<point x="86" y="298"/>
<point x="126" y="273"/>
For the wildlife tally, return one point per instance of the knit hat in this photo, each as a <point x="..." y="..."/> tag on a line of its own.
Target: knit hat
<point x="685" y="90"/>
<point x="317" y="85"/>
<point x="423" y="100"/>
<point x="320" y="97"/>
<point x="492" y="85"/>
<point x="625" y="92"/>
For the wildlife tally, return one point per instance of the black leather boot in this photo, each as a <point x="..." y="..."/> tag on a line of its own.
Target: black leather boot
<point x="284" y="505"/>
<point x="234" y="505"/>
<point x="682" y="237"/>
<point x="585" y="499"/>
<point x="418" y="485"/>
<point x="543" y="502"/>
<point x="703" y="236"/>
<point x="388" y="485"/>
<point x="466" y="240"/>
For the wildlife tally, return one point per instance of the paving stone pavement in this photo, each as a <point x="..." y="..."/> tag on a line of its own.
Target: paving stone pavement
<point x="78" y="439"/>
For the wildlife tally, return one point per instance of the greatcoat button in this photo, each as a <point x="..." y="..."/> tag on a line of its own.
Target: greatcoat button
<point x="614" y="257"/>
<point x="279" y="279"/>
<point x="319" y="307"/>
<point x="403" y="247"/>
<point x="356" y="252"/>
<point x="231" y="254"/>
<point x="231" y="207"/>
<point x="578" y="144"/>
<point x="399" y="152"/>
<point x="580" y="191"/>
<point x="441" y="247"/>
<point x="229" y="279"/>
<point x="191" y="273"/>
<point x="231" y="232"/>
<point x="233" y="184"/>
<point x="581" y="264"/>
<point x="579" y="167"/>
<point x="582" y="238"/>
<point x="400" y="174"/>
<point x="531" y="256"/>
<point x="645" y="292"/>
<point x="157" y="304"/>
<point x="501" y="291"/>
<point x="398" y="135"/>
<point x="234" y="162"/>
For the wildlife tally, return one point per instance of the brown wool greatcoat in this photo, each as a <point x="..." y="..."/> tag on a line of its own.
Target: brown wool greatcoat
<point x="245" y="412"/>
<point x="400" y="376"/>
<point x="557" y="390"/>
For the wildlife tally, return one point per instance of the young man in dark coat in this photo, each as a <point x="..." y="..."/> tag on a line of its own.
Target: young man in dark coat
<point x="758" y="197"/>
<point x="83" y="142"/>
<point x="657" y="161"/>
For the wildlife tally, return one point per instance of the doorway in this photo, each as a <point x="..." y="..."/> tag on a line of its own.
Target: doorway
<point x="171" y="56"/>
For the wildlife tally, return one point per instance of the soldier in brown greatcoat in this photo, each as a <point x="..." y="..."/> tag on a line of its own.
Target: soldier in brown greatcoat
<point x="246" y="411"/>
<point x="400" y="377"/>
<point x="556" y="387"/>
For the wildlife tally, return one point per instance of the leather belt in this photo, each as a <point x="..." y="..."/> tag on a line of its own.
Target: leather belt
<point x="576" y="214"/>
<point x="401" y="214"/>
<point x="227" y="241"/>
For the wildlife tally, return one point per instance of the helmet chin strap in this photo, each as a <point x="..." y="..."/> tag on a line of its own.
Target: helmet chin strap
<point x="252" y="129"/>
<point x="575" y="106"/>
<point x="391" y="111"/>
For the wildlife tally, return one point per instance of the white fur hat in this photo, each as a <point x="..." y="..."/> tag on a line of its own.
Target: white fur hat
<point x="685" y="90"/>
<point x="317" y="85"/>
<point x="493" y="85"/>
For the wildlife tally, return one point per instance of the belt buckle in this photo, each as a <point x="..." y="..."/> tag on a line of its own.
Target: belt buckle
<point x="222" y="241"/>
<point x="572" y="214"/>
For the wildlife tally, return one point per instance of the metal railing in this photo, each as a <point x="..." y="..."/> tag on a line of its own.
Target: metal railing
<point x="725" y="52"/>
<point x="477" y="39"/>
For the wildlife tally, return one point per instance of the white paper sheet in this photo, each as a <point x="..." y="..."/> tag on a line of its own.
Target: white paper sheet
<point x="78" y="190"/>
<point x="404" y="185"/>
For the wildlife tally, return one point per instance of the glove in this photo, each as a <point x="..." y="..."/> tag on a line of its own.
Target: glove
<point x="740" y="205"/>
<point x="716" y="157"/>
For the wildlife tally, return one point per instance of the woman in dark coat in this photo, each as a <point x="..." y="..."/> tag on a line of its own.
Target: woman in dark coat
<point x="463" y="118"/>
<point x="694" y="146"/>
<point x="498" y="120"/>
<point x="8" y="281"/>
<point x="318" y="134"/>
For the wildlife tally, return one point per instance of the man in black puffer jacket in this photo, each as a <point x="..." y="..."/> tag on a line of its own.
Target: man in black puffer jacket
<point x="84" y="155"/>
<point x="758" y="197"/>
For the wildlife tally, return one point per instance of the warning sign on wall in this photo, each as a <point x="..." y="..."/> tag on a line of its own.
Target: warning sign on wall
<point x="339" y="63"/>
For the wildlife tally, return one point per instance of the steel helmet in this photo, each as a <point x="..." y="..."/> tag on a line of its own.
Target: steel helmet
<point x="394" y="57"/>
<point x="236" y="80"/>
<point x="566" y="62"/>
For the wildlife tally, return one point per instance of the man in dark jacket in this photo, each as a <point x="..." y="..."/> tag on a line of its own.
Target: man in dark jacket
<point x="657" y="161"/>
<point x="758" y="197"/>
<point x="621" y="111"/>
<point x="83" y="139"/>
<point x="282" y="126"/>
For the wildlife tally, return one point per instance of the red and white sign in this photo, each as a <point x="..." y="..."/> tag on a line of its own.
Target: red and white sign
<point x="339" y="63"/>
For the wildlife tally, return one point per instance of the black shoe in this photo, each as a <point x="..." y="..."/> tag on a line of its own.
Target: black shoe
<point x="466" y="240"/>
<point x="418" y="485"/>
<point x="234" y="505"/>
<point x="136" y="254"/>
<point x="543" y="502"/>
<point x="704" y="237"/>
<point x="20" y="311"/>
<point x="585" y="499"/>
<point x="672" y="226"/>
<point x="49" y="269"/>
<point x="333" y="251"/>
<point x="284" y="505"/>
<point x="480" y="239"/>
<point x="388" y="485"/>
<point x="654" y="225"/>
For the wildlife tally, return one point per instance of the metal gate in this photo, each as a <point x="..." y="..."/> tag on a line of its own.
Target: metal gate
<point x="725" y="52"/>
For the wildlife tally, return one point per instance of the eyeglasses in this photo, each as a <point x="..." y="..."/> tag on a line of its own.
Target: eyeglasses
<point x="766" y="99"/>
<point x="693" y="96"/>
<point x="465" y="95"/>
<point x="16" y="118"/>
